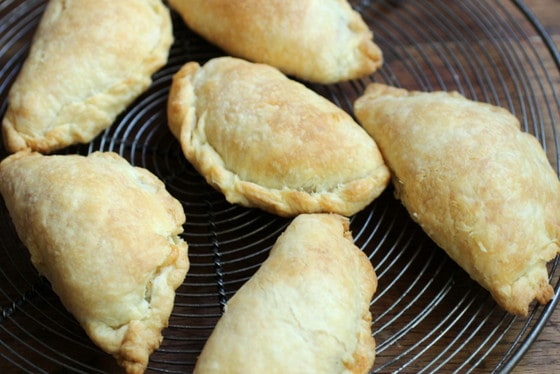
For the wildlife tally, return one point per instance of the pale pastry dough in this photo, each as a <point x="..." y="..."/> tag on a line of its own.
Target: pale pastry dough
<point x="306" y="310"/>
<point x="480" y="187"/>
<point x="88" y="61"/>
<point x="323" y="41"/>
<point x="267" y="141"/>
<point x="106" y="236"/>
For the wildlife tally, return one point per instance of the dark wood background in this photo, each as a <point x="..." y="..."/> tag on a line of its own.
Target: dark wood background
<point x="544" y="354"/>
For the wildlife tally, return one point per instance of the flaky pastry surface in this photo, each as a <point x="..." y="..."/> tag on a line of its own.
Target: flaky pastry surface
<point x="306" y="310"/>
<point x="106" y="236"/>
<point x="88" y="61"/>
<point x="269" y="142"/>
<point x="323" y="41"/>
<point x="480" y="187"/>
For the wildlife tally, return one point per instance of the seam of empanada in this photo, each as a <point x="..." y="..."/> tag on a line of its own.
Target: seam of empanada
<point x="488" y="189"/>
<point x="78" y="119"/>
<point x="350" y="194"/>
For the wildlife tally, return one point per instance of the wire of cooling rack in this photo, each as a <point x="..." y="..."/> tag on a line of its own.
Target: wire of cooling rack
<point x="428" y="315"/>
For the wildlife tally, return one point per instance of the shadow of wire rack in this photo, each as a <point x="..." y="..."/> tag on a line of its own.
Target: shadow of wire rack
<point x="428" y="315"/>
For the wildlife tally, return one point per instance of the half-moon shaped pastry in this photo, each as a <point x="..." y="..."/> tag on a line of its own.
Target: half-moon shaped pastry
<point x="269" y="142"/>
<point x="323" y="41"/>
<point x="106" y="236"/>
<point x="88" y="61"/>
<point x="306" y="310"/>
<point x="480" y="187"/>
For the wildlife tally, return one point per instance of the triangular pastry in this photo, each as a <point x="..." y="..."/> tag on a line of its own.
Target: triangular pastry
<point x="323" y="41"/>
<point x="106" y="236"/>
<point x="480" y="187"/>
<point x="269" y="142"/>
<point x="88" y="61"/>
<point x="306" y="310"/>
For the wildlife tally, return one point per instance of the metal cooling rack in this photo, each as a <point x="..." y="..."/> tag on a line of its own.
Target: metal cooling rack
<point x="428" y="315"/>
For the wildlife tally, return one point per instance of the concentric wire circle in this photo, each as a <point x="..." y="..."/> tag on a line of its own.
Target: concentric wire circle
<point x="428" y="314"/>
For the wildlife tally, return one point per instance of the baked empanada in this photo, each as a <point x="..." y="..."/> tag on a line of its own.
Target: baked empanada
<point x="269" y="142"/>
<point x="106" y="236"/>
<point x="88" y="61"/>
<point x="480" y="187"/>
<point x="306" y="310"/>
<point x="323" y="41"/>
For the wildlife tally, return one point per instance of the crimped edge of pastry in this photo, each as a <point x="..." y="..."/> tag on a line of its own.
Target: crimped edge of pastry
<point x="101" y="105"/>
<point x="354" y="57"/>
<point x="131" y="344"/>
<point x="347" y="199"/>
<point x="532" y="285"/>
<point x="359" y="346"/>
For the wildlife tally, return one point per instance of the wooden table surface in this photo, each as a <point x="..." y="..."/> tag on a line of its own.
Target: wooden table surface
<point x="544" y="355"/>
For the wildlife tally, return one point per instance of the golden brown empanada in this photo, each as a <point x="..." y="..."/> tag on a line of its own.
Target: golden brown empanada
<point x="88" y="61"/>
<point x="306" y="310"/>
<point x="269" y="142"/>
<point x="322" y="41"/>
<point x="481" y="188"/>
<point x="106" y="236"/>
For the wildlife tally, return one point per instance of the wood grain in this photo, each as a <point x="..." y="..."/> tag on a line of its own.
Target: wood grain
<point x="543" y="357"/>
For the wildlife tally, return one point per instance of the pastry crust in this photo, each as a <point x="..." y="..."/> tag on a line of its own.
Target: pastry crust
<point x="481" y="188"/>
<point x="88" y="61"/>
<point x="269" y="142"/>
<point x="323" y="41"/>
<point x="306" y="310"/>
<point x="106" y="236"/>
